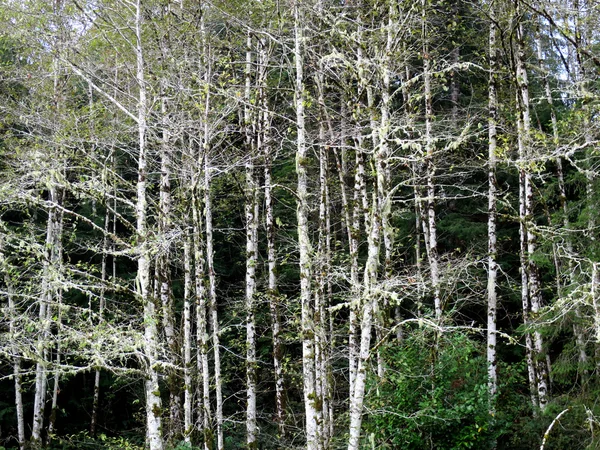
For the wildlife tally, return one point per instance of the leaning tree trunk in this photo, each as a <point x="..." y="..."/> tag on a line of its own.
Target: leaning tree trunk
<point x="577" y="329"/>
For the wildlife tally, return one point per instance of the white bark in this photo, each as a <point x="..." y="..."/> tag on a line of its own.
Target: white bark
<point x="274" y="295"/>
<point x="492" y="211"/>
<point x="212" y="298"/>
<point x="369" y="300"/>
<point x="431" y="235"/>
<point x="307" y="324"/>
<point x="203" y="404"/>
<point x="163" y="278"/>
<point x="153" y="400"/>
<point x="12" y="311"/>
<point x="534" y="291"/>
<point x="577" y="330"/>
<point x="251" y="212"/>
<point x="187" y="340"/>
<point x="102" y="302"/>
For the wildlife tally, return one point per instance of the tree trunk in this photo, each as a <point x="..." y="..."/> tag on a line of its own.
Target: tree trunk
<point x="153" y="399"/>
<point x="251" y="212"/>
<point x="13" y="314"/>
<point x="369" y="300"/>
<point x="307" y="320"/>
<point x="203" y="397"/>
<point x="431" y="234"/>
<point x="273" y="290"/>
<point x="163" y="278"/>
<point x="534" y="292"/>
<point x="492" y="211"/>
<point x="188" y="393"/>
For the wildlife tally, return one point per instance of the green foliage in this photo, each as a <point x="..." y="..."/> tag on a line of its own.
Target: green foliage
<point x="83" y="441"/>
<point x="431" y="398"/>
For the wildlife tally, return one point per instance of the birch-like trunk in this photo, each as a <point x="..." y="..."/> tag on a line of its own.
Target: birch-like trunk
<point x="273" y="292"/>
<point x="102" y="303"/>
<point x="577" y="330"/>
<point x="366" y="325"/>
<point x="163" y="278"/>
<point x="492" y="212"/>
<point x="431" y="235"/>
<point x="16" y="362"/>
<point x="353" y="342"/>
<point x="307" y="320"/>
<point x="52" y="257"/>
<point x="153" y="399"/>
<point x="212" y="292"/>
<point x="188" y="393"/>
<point x="202" y="339"/>
<point x="251" y="212"/>
<point x="534" y="291"/>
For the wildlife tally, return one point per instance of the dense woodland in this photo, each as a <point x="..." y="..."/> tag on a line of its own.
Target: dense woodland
<point x="319" y="224"/>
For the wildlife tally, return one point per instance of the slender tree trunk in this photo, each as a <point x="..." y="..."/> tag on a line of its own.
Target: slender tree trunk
<point x="370" y="298"/>
<point x="212" y="284"/>
<point x="203" y="398"/>
<point x="534" y="292"/>
<point x="577" y="331"/>
<point x="103" y="276"/>
<point x="251" y="211"/>
<point x="163" y="279"/>
<point x="273" y="290"/>
<point x="187" y="338"/>
<point x="308" y="330"/>
<point x="16" y="362"/>
<point x="153" y="399"/>
<point x="492" y="211"/>
<point x="431" y="234"/>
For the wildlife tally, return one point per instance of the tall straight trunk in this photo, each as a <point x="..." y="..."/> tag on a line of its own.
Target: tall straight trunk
<point x="152" y="388"/>
<point x="53" y="253"/>
<point x="58" y="300"/>
<point x="321" y="298"/>
<point x="595" y="301"/>
<point x="307" y="320"/>
<point x="16" y="362"/>
<point x="492" y="212"/>
<point x="188" y="393"/>
<point x="273" y="291"/>
<point x="202" y="339"/>
<point x="251" y="212"/>
<point x="353" y="343"/>
<point x="431" y="234"/>
<point x="205" y="298"/>
<point x="163" y="275"/>
<point x="272" y="287"/>
<point x="534" y="291"/>
<point x="384" y="199"/>
<point x="101" y="306"/>
<point x="210" y="266"/>
<point x="577" y="330"/>
<point x="366" y="325"/>
<point x="212" y="301"/>
<point x="531" y="372"/>
<point x="190" y="250"/>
